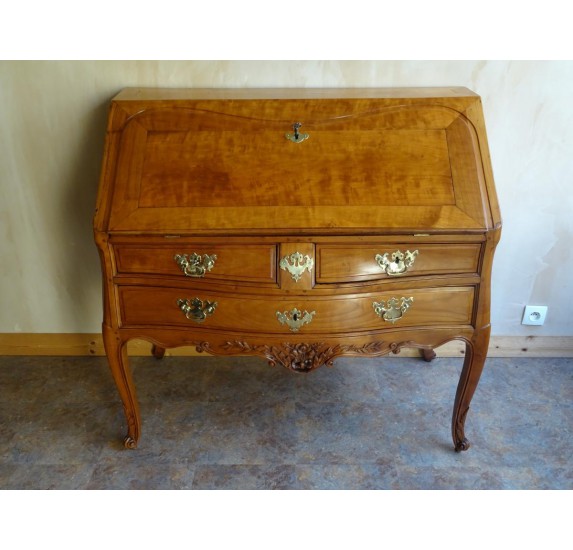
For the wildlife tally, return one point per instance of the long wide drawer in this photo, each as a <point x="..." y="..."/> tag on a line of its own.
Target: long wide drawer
<point x="345" y="263"/>
<point x="291" y="314"/>
<point x="244" y="262"/>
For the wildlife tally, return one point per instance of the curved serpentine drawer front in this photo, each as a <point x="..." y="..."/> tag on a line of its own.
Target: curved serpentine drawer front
<point x="346" y="263"/>
<point x="333" y="263"/>
<point x="278" y="315"/>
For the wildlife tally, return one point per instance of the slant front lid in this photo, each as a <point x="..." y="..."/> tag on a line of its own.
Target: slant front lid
<point x="313" y="162"/>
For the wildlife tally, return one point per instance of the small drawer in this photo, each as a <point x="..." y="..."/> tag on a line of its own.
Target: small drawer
<point x="288" y="315"/>
<point x="237" y="263"/>
<point x="343" y="263"/>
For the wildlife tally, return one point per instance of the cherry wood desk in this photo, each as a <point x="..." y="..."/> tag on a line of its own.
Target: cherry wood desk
<point x="297" y="225"/>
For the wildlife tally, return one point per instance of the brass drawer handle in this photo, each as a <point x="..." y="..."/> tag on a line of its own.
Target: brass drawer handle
<point x="296" y="264"/>
<point x="294" y="318"/>
<point x="194" y="265"/>
<point x="195" y="309"/>
<point x="398" y="263"/>
<point x="296" y="137"/>
<point x="393" y="309"/>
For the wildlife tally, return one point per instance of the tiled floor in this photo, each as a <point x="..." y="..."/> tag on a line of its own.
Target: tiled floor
<point x="236" y="423"/>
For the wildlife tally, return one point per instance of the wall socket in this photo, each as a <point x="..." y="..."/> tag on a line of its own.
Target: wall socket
<point x="534" y="315"/>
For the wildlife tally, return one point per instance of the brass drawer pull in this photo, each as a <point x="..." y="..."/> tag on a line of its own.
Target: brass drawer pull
<point x="296" y="263"/>
<point x="195" y="309"/>
<point x="295" y="319"/>
<point x="393" y="309"/>
<point x="194" y="265"/>
<point x="296" y="137"/>
<point x="398" y="263"/>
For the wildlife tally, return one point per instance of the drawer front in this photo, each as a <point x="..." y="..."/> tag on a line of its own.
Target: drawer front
<point x="299" y="315"/>
<point x="344" y="263"/>
<point x="256" y="263"/>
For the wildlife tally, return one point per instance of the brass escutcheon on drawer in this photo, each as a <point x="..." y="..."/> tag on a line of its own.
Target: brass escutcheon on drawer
<point x="396" y="263"/>
<point x="294" y="318"/>
<point x="296" y="264"/>
<point x="295" y="137"/>
<point x="393" y="309"/>
<point x="195" y="265"/>
<point x="195" y="309"/>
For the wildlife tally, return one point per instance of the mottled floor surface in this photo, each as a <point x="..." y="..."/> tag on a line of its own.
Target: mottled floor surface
<point x="236" y="423"/>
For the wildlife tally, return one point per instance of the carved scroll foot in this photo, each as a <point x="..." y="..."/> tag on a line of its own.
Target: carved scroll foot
<point x="116" y="351"/>
<point x="129" y="442"/>
<point x="428" y="354"/>
<point x="476" y="351"/>
<point x="157" y="352"/>
<point x="462" y="445"/>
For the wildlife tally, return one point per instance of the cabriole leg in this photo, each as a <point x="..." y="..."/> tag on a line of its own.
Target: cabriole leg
<point x="428" y="354"/>
<point x="157" y="352"/>
<point x="116" y="351"/>
<point x="476" y="352"/>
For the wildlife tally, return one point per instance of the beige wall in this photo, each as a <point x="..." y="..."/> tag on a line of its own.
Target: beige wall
<point x="52" y="121"/>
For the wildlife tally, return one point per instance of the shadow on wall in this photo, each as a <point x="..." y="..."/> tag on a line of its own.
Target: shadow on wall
<point x="83" y="272"/>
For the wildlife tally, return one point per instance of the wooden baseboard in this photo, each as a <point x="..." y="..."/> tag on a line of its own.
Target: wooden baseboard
<point x="92" y="344"/>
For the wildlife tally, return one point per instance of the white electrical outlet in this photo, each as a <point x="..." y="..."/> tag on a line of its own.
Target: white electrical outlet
<point x="534" y="315"/>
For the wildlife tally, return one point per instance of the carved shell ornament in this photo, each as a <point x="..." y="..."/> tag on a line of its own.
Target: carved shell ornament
<point x="303" y="357"/>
